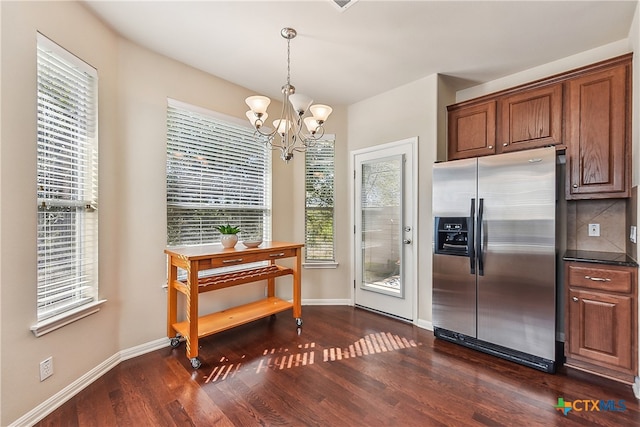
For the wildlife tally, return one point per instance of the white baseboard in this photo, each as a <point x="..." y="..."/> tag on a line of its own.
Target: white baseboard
<point x="636" y="388"/>
<point x="326" y="302"/>
<point x="141" y="349"/>
<point x="424" y="324"/>
<point x="58" y="399"/>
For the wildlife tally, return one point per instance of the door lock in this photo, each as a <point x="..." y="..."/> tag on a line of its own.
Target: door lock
<point x="406" y="241"/>
<point x="407" y="228"/>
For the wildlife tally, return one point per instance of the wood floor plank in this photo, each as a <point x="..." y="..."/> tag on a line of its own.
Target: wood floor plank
<point x="347" y="366"/>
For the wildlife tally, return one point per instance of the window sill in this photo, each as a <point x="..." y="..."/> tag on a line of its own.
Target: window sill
<point x="311" y="265"/>
<point x="56" y="322"/>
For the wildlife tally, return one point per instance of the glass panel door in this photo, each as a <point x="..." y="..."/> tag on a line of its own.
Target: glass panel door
<point x="381" y="211"/>
<point x="384" y="210"/>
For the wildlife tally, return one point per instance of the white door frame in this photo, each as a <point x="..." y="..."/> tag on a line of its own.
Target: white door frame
<point x="413" y="141"/>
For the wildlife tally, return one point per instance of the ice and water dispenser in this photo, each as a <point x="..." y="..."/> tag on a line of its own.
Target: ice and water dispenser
<point x="452" y="235"/>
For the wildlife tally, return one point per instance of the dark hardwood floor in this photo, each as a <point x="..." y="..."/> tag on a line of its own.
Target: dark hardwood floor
<point x="347" y="367"/>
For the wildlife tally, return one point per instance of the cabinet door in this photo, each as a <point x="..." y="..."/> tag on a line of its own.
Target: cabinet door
<point x="530" y="119"/>
<point x="600" y="328"/>
<point x="597" y="132"/>
<point x="472" y="131"/>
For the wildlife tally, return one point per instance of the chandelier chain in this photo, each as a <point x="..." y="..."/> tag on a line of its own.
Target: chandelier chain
<point x="288" y="62"/>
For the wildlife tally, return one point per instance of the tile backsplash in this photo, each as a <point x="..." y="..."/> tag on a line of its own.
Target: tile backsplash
<point x="612" y="216"/>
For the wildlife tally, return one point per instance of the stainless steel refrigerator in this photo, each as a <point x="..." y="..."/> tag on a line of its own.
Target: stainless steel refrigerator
<point x="494" y="262"/>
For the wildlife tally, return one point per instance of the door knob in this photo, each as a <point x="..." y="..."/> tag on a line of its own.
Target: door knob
<point x="406" y="241"/>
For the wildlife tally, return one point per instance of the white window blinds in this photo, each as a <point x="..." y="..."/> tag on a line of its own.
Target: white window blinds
<point x="218" y="173"/>
<point x="319" y="207"/>
<point x="67" y="181"/>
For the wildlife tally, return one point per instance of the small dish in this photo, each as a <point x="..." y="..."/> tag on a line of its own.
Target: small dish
<point x="252" y="243"/>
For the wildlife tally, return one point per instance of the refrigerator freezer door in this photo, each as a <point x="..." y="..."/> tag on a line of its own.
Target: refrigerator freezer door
<point x="454" y="286"/>
<point x="516" y="292"/>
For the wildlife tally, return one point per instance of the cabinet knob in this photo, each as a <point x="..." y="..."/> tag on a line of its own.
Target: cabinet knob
<point x="575" y="299"/>
<point x="505" y="144"/>
<point x="575" y="185"/>
<point x="490" y="147"/>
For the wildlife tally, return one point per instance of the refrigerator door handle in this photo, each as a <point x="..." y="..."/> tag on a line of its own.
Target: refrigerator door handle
<point x="472" y="249"/>
<point x="479" y="237"/>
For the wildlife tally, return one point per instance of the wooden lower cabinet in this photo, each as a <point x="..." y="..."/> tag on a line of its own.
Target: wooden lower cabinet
<point x="601" y="320"/>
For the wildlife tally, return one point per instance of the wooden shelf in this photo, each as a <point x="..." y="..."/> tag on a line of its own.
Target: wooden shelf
<point x="235" y="316"/>
<point x="220" y="281"/>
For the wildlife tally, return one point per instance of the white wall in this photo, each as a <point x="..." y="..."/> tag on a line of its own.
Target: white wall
<point x="134" y="85"/>
<point x="408" y="111"/>
<point x="1" y="38"/>
<point x="81" y="346"/>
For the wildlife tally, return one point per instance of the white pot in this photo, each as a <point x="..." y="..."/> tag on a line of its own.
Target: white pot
<point x="229" y="240"/>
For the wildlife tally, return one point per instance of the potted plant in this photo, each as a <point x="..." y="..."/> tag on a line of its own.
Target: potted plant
<point x="229" y="235"/>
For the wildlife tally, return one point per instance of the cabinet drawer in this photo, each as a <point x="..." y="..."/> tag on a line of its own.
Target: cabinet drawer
<point x="247" y="257"/>
<point x="607" y="278"/>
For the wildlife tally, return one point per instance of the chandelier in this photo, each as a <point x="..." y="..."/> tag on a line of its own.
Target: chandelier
<point x="288" y="134"/>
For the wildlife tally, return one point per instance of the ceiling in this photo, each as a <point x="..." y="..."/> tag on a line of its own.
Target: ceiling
<point x="345" y="56"/>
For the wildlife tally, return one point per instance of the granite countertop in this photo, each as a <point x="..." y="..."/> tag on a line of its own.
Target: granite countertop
<point x="610" y="258"/>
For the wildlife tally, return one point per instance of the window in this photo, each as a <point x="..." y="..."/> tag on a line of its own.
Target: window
<point x="218" y="173"/>
<point x="319" y="215"/>
<point x="67" y="182"/>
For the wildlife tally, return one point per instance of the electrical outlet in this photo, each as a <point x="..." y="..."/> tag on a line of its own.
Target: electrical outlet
<point x="594" y="230"/>
<point x="46" y="368"/>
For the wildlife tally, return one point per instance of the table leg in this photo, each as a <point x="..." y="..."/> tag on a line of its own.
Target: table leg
<point x="297" y="285"/>
<point x="172" y="298"/>
<point x="192" y="310"/>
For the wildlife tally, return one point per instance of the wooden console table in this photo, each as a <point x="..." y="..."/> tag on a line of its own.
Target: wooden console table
<point x="193" y="259"/>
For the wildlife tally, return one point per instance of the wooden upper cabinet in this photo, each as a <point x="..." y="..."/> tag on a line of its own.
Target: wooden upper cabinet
<point x="597" y="127"/>
<point x="586" y="111"/>
<point x="530" y="119"/>
<point x="472" y="130"/>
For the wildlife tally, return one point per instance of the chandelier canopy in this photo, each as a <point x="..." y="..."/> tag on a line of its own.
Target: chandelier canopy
<point x="288" y="128"/>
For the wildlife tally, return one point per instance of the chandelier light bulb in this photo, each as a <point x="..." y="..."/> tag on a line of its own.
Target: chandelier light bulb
<point x="321" y="112"/>
<point x="282" y="126"/>
<point x="255" y="120"/>
<point x="300" y="102"/>
<point x="312" y="124"/>
<point x="258" y="103"/>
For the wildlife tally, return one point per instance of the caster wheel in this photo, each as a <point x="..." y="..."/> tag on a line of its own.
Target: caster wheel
<point x="298" y="321"/>
<point x="195" y="363"/>
<point x="175" y="342"/>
